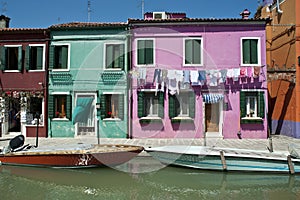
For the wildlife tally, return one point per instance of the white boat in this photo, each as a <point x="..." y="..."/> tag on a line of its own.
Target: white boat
<point x="226" y="159"/>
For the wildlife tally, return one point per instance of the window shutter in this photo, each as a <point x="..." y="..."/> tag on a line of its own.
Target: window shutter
<point x="192" y="104"/>
<point x="253" y="51"/>
<point x="141" y="111"/>
<point x="51" y="111"/>
<point x="27" y="58"/>
<point x="188" y="51"/>
<point x="69" y="106"/>
<point x="64" y="57"/>
<point x="141" y="52"/>
<point x="51" y="57"/>
<point x="103" y="106"/>
<point x="39" y="57"/>
<point x="20" y="58"/>
<point x="121" y="106"/>
<point x="172" y="106"/>
<point x="261" y="105"/>
<point x="246" y="51"/>
<point x="196" y="51"/>
<point x="149" y="51"/>
<point x="161" y="108"/>
<point x="122" y="56"/>
<point x="242" y="104"/>
<point x="2" y="57"/>
<point x="109" y="56"/>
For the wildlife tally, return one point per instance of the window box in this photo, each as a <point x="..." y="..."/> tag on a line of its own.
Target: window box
<point x="251" y="120"/>
<point x="182" y="120"/>
<point x="150" y="120"/>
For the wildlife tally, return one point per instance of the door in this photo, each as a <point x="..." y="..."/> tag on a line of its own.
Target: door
<point x="213" y="123"/>
<point x="84" y="114"/>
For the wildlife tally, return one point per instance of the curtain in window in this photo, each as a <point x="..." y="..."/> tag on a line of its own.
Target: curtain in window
<point x="82" y="110"/>
<point x="2" y="58"/>
<point x="145" y="52"/>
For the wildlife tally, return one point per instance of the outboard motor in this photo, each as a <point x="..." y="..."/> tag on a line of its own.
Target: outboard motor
<point x="16" y="142"/>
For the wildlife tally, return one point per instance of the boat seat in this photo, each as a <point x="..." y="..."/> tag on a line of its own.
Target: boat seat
<point x="17" y="142"/>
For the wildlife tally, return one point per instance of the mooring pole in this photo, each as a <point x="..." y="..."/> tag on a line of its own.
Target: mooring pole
<point x="37" y="129"/>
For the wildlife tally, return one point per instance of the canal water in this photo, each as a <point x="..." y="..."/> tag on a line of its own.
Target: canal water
<point x="142" y="178"/>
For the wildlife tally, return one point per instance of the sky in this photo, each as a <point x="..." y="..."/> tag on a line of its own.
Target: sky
<point x="44" y="13"/>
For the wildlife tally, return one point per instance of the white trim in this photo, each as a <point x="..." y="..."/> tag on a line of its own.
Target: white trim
<point x="113" y="93"/>
<point x="214" y="134"/>
<point x="14" y="45"/>
<point x="69" y="56"/>
<point x="136" y="53"/>
<point x="163" y="15"/>
<point x="259" y="50"/>
<point x="44" y="57"/>
<point x="201" y="52"/>
<point x="60" y="93"/>
<point x="8" y="46"/>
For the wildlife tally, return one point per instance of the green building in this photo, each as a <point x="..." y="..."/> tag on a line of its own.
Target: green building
<point x="88" y="88"/>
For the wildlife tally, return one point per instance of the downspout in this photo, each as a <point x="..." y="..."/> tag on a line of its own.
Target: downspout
<point x="278" y="8"/>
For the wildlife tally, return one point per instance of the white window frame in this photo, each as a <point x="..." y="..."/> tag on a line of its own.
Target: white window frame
<point x="258" y="50"/>
<point x="201" y="52"/>
<point x="151" y="113"/>
<point x="69" y="56"/>
<point x="136" y="53"/>
<point x="104" y="54"/>
<point x="113" y="93"/>
<point x="180" y="99"/>
<point x="42" y="114"/>
<point x="8" y="46"/>
<point x="44" y="57"/>
<point x="248" y="106"/>
<point x="163" y="15"/>
<point x="60" y="93"/>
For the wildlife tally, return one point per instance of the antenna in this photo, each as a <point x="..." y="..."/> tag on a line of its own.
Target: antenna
<point x="143" y="7"/>
<point x="4" y="7"/>
<point x="89" y="10"/>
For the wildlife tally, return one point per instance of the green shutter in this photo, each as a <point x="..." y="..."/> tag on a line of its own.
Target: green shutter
<point x="2" y="57"/>
<point x="141" y="110"/>
<point x="20" y="58"/>
<point x="69" y="106"/>
<point x="253" y="52"/>
<point x="103" y="106"/>
<point x="51" y="112"/>
<point x="261" y="104"/>
<point x="196" y="51"/>
<point x="64" y="57"/>
<point x="122" y="56"/>
<point x="27" y="58"/>
<point x="51" y="57"/>
<point x="121" y="106"/>
<point x="192" y="104"/>
<point x="109" y="56"/>
<point x="246" y="51"/>
<point x="39" y="58"/>
<point x="149" y="51"/>
<point x="141" y="52"/>
<point x="161" y="108"/>
<point x="242" y="104"/>
<point x="172" y="106"/>
<point x="188" y="51"/>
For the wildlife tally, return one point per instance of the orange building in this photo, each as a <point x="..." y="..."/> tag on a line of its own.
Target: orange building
<point x="283" y="65"/>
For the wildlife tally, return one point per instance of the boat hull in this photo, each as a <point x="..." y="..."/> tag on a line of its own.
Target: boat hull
<point x="103" y="155"/>
<point x="211" y="159"/>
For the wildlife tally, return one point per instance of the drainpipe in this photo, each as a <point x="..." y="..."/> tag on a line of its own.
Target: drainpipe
<point x="278" y="9"/>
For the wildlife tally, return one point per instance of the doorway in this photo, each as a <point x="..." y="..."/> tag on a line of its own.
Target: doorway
<point x="14" y="124"/>
<point x="213" y="119"/>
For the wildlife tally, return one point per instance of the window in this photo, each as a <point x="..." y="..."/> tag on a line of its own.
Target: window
<point x="159" y="15"/>
<point x="11" y="58"/>
<point x="114" y="56"/>
<point x="150" y="104"/>
<point x="59" y="57"/>
<point x="34" y="56"/>
<point x="35" y="105"/>
<point x="250" y="51"/>
<point x="182" y="105"/>
<point x="193" y="52"/>
<point x="252" y="105"/>
<point x="59" y="106"/>
<point x="145" y="52"/>
<point x="112" y="106"/>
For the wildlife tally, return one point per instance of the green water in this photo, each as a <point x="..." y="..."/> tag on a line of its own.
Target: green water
<point x="142" y="178"/>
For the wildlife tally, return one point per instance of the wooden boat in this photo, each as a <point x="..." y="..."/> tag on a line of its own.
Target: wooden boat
<point x="78" y="156"/>
<point x="226" y="159"/>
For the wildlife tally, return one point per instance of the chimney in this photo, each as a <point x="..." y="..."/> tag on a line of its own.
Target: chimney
<point x="245" y="14"/>
<point x="4" y="21"/>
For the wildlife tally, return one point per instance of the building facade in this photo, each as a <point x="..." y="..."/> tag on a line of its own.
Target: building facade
<point x="87" y="80"/>
<point x="195" y="78"/>
<point x="283" y="61"/>
<point x="23" y="80"/>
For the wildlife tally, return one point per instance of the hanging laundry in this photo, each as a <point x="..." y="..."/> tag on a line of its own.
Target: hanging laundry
<point x="230" y="73"/>
<point x="202" y="76"/>
<point x="256" y="72"/>
<point x="164" y="77"/>
<point x="249" y="71"/>
<point x="243" y="71"/>
<point x="157" y="76"/>
<point x="172" y="83"/>
<point x="236" y="74"/>
<point x="194" y="77"/>
<point x="213" y="77"/>
<point x="223" y="75"/>
<point x="186" y="74"/>
<point x="142" y="76"/>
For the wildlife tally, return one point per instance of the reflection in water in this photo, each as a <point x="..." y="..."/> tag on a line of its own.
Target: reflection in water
<point x="143" y="182"/>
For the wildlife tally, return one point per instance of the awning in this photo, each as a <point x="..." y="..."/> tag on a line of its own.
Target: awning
<point x="212" y="97"/>
<point x="82" y="109"/>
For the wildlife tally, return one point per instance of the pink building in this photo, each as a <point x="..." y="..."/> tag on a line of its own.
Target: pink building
<point x="194" y="78"/>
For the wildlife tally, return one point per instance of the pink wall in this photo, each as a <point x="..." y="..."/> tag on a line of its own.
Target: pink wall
<point x="221" y="51"/>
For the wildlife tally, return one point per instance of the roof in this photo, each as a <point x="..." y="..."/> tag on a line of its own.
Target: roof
<point x="88" y="25"/>
<point x="23" y="29"/>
